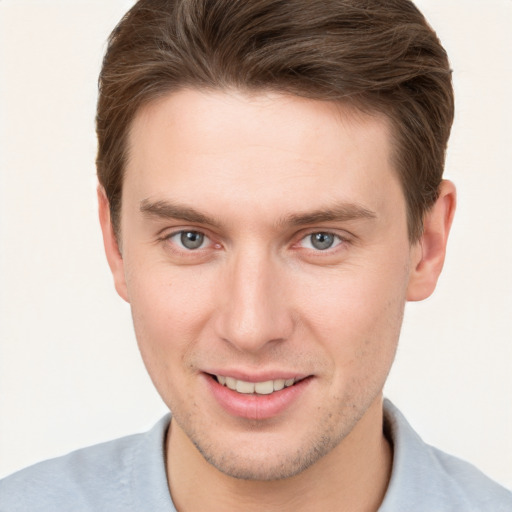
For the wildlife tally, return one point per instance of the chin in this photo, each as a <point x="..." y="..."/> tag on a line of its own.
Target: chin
<point x="267" y="459"/>
<point x="265" y="469"/>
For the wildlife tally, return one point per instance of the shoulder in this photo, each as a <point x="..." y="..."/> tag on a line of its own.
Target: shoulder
<point x="425" y="478"/>
<point x="99" y="477"/>
<point x="72" y="482"/>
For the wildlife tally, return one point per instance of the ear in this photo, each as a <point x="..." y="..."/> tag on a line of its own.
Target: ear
<point x="114" y="256"/>
<point x="429" y="252"/>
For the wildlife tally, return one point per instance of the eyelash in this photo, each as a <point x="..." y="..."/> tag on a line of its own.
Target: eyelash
<point x="337" y="241"/>
<point x="179" y="244"/>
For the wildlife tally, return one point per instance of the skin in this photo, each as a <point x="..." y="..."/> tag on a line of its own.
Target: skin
<point x="258" y="175"/>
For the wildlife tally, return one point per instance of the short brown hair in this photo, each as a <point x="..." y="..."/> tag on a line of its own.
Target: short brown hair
<point x="379" y="55"/>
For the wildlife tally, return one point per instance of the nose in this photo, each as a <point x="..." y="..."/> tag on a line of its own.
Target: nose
<point x="254" y="312"/>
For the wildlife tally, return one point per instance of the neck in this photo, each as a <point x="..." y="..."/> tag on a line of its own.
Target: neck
<point x="352" y="477"/>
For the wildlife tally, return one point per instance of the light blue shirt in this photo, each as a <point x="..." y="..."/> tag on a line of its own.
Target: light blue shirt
<point x="128" y="475"/>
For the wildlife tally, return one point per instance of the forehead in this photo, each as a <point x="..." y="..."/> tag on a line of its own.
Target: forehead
<point x="196" y="117"/>
<point x="258" y="150"/>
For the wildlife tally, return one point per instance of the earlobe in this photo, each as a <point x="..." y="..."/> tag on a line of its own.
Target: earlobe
<point x="429" y="252"/>
<point x="114" y="257"/>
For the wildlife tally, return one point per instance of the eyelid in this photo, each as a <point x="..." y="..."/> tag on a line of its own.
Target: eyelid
<point x="178" y="236"/>
<point x="340" y="239"/>
<point x="167" y="236"/>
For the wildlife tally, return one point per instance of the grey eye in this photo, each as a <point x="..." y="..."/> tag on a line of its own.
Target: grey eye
<point x="322" y="241"/>
<point x="191" y="239"/>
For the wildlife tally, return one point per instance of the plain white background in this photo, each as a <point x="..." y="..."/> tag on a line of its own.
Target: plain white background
<point x="70" y="373"/>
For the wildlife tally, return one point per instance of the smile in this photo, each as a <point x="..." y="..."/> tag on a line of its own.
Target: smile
<point x="259" y="388"/>
<point x="257" y="400"/>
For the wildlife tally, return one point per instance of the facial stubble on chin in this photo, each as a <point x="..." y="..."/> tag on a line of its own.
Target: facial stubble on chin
<point x="334" y="428"/>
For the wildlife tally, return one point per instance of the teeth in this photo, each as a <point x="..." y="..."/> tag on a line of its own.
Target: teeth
<point x="231" y="383"/>
<point x="279" y="384"/>
<point x="245" y="387"/>
<point x="249" y="388"/>
<point x="264" y="388"/>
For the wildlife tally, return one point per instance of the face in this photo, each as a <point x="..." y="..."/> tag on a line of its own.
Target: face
<point x="265" y="249"/>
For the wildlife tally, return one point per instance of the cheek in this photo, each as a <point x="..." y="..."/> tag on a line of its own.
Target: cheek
<point x="169" y="311"/>
<point x="358" y="315"/>
<point x="166" y="330"/>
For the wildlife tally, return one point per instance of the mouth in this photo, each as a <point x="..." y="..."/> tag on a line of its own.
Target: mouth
<point x="254" y="388"/>
<point x="256" y="400"/>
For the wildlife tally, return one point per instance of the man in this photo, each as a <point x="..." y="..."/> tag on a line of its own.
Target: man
<point x="270" y="196"/>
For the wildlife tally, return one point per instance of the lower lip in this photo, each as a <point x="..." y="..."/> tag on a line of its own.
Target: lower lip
<point x="254" y="406"/>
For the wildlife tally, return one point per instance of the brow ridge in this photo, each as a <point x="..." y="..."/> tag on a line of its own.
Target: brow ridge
<point x="170" y="210"/>
<point x="337" y="213"/>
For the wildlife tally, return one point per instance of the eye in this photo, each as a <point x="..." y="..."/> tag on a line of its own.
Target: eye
<point x="190" y="240"/>
<point x="320" y="241"/>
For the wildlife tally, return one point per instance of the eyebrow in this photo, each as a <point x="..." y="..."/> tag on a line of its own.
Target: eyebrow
<point x="171" y="210"/>
<point x="341" y="212"/>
